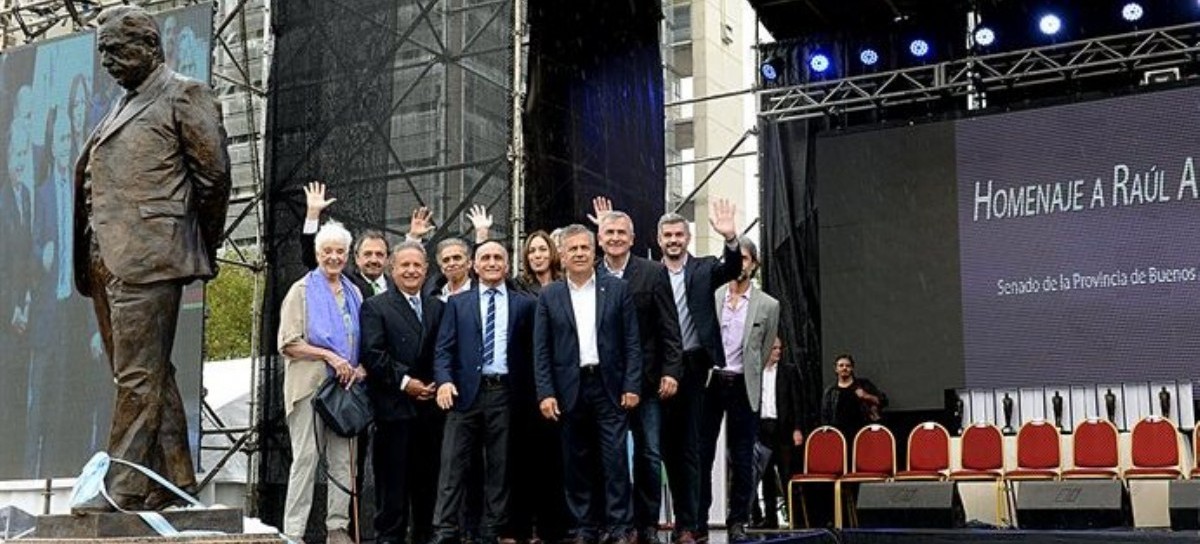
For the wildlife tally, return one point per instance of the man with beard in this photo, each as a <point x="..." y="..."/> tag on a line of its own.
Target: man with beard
<point x="749" y="320"/>
<point x="693" y="282"/>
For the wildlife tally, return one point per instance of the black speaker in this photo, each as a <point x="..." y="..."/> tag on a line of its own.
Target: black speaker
<point x="910" y="505"/>
<point x="1185" y="505"/>
<point x="1073" y="504"/>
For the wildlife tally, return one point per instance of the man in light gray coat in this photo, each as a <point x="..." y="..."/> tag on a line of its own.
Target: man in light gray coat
<point x="749" y="321"/>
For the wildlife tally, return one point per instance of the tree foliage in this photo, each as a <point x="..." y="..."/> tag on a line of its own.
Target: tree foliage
<point x="230" y="305"/>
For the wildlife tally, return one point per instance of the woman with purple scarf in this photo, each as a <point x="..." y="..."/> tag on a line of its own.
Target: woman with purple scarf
<point x="318" y="337"/>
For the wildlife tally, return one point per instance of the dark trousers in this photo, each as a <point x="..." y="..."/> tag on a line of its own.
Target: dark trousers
<point x="596" y="425"/>
<point x="389" y="451"/>
<point x="646" y="424"/>
<point x="137" y="325"/>
<point x="726" y="397"/>
<point x="537" y="505"/>
<point x="485" y="423"/>
<point x="682" y="416"/>
<point x="778" y="470"/>
<point x="424" y="464"/>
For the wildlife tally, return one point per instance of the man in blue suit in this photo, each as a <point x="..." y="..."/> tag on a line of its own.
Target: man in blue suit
<point x="588" y="368"/>
<point x="485" y="335"/>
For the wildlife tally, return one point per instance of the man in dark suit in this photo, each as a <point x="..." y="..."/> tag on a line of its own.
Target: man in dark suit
<point x="662" y="363"/>
<point x="694" y="280"/>
<point x="151" y="191"/>
<point x="399" y="331"/>
<point x="588" y="366"/>
<point x="485" y="334"/>
<point x="781" y="428"/>
<point x="16" y="220"/>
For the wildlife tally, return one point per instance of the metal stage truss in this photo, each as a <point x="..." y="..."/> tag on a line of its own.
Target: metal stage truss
<point x="1134" y="52"/>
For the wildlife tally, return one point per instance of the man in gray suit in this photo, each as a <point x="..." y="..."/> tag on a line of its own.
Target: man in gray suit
<point x="749" y="321"/>
<point x="151" y="190"/>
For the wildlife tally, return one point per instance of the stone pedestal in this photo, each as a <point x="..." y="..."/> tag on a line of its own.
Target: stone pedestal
<point x="91" y="527"/>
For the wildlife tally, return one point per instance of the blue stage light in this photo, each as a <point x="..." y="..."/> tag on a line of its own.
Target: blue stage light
<point x="768" y="72"/>
<point x="868" y="57"/>
<point x="1050" y="24"/>
<point x="984" y="36"/>
<point x="918" y="47"/>
<point x="819" y="63"/>
<point x="1132" y="12"/>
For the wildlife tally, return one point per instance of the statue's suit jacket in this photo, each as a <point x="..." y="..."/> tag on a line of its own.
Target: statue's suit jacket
<point x="158" y="187"/>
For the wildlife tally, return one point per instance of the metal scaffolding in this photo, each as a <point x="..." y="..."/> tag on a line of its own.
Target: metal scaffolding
<point x="1132" y="53"/>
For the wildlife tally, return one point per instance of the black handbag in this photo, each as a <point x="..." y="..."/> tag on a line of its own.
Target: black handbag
<point x="347" y="412"/>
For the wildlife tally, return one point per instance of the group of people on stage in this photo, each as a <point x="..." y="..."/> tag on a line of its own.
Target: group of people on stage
<point x="503" y="405"/>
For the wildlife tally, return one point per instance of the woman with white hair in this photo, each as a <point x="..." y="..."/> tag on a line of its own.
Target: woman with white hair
<point x="318" y="337"/>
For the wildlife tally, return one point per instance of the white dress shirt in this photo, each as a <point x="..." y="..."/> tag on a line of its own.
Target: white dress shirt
<point x="583" y="304"/>
<point x="768" y="408"/>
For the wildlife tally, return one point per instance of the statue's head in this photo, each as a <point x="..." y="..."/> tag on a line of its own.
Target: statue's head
<point x="130" y="45"/>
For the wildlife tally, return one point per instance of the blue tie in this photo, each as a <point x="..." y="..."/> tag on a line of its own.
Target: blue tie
<point x="416" y="306"/>
<point x="489" y="329"/>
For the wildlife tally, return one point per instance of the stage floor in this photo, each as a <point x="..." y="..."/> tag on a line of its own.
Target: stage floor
<point x="957" y="536"/>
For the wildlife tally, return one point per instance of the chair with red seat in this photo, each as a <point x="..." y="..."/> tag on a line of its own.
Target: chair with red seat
<point x="982" y="460"/>
<point x="1096" y="453"/>
<point x="874" y="460"/>
<point x="928" y="454"/>
<point x="1155" y="450"/>
<point x="824" y="462"/>
<point x="1039" y="453"/>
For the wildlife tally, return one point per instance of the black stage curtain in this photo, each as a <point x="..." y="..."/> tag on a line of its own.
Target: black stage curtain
<point x="330" y="87"/>
<point x="790" y="249"/>
<point x="594" y="121"/>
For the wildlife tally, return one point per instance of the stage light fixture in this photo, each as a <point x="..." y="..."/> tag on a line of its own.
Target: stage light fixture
<point x="868" y="57"/>
<point x="819" y="63"/>
<point x="1050" y="24"/>
<point x="768" y="72"/>
<point x="1132" y="12"/>
<point x="918" y="47"/>
<point x="984" y="36"/>
<point x="771" y="69"/>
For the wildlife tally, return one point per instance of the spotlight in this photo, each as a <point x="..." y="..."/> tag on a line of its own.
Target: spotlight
<point x="1050" y="24"/>
<point x="919" y="48"/>
<point x="984" y="36"/>
<point x="1132" y="12"/>
<point x="819" y="63"/>
<point x="868" y="57"/>
<point x="771" y="69"/>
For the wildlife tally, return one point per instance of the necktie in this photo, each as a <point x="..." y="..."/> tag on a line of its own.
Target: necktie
<point x="489" y="329"/>
<point x="416" y="306"/>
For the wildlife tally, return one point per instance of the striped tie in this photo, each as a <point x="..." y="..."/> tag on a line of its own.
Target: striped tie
<point x="489" y="329"/>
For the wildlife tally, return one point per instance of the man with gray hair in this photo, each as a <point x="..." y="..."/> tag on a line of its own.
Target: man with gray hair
<point x="662" y="363"/>
<point x="151" y="191"/>
<point x="749" y="320"/>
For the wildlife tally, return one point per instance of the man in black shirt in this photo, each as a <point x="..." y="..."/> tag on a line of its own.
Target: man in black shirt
<point x="852" y="402"/>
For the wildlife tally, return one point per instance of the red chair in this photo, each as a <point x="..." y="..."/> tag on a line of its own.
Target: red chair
<point x="824" y="462"/>
<point x="1096" y="454"/>
<point x="874" y="460"/>
<point x="928" y="454"/>
<point x="1156" y="451"/>
<point x="1039" y="453"/>
<point x="982" y="459"/>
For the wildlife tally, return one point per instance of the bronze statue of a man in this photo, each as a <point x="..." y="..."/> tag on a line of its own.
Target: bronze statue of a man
<point x="151" y="190"/>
